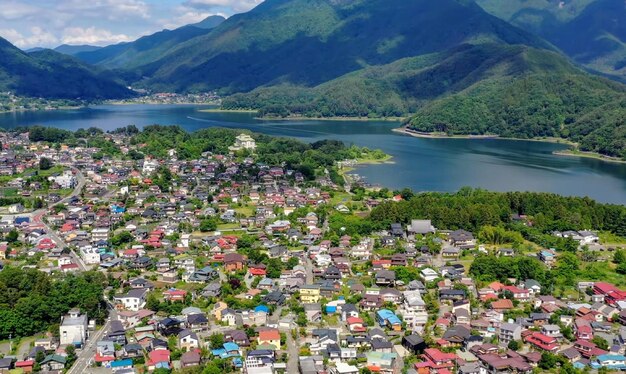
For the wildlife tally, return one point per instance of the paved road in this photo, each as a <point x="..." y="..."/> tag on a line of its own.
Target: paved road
<point x="40" y="212"/>
<point x="86" y="355"/>
<point x="293" y="350"/>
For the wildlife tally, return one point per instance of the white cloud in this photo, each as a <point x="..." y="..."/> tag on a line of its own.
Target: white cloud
<point x="13" y="10"/>
<point x="235" y="5"/>
<point x="110" y="9"/>
<point x="37" y="37"/>
<point x="92" y="36"/>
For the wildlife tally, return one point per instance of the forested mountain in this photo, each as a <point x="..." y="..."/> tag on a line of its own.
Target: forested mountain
<point x="148" y="48"/>
<point x="403" y="86"/>
<point x="50" y="74"/>
<point x="592" y="32"/>
<point x="73" y="50"/>
<point x="309" y="42"/>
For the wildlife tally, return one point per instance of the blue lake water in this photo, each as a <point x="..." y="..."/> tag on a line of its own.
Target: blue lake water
<point x="422" y="164"/>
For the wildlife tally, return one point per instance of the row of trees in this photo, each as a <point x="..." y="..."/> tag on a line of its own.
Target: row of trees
<point x="473" y="209"/>
<point x="32" y="301"/>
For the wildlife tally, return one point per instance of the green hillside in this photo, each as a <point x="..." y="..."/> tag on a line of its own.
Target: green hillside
<point x="49" y="74"/>
<point x="309" y="42"/>
<point x="577" y="107"/>
<point x="148" y="48"/>
<point x="592" y="32"/>
<point x="401" y="87"/>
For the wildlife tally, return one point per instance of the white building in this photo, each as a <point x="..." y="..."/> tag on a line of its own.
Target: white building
<point x="90" y="255"/>
<point x="99" y="234"/>
<point x="134" y="300"/>
<point x="242" y="142"/>
<point x="413" y="310"/>
<point x="149" y="167"/>
<point x="429" y="274"/>
<point x="73" y="329"/>
<point x="65" y="180"/>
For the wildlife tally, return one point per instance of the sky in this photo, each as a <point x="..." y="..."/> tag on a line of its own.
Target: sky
<point x="49" y="23"/>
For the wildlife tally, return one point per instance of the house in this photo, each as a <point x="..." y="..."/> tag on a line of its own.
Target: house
<point x="134" y="300"/>
<point x="387" y="318"/>
<point x="542" y="342"/>
<point x="73" y="328"/>
<point x="610" y="361"/>
<point x="421" y="227"/>
<point x="509" y="332"/>
<point x="428" y="274"/>
<point x="462" y="239"/>
<point x="233" y="262"/>
<point x="310" y="294"/>
<point x="414" y="343"/>
<point x="259" y="358"/>
<point x="188" y="340"/>
<point x="197" y="322"/>
<point x="53" y="363"/>
<point x="269" y="337"/>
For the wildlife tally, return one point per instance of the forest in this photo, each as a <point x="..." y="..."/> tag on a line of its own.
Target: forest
<point x="32" y="301"/>
<point x="475" y="209"/>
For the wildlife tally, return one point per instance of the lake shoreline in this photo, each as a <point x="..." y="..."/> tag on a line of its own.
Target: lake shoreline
<point x="417" y="134"/>
<point x="593" y="155"/>
<point x="566" y="152"/>
<point x="303" y="118"/>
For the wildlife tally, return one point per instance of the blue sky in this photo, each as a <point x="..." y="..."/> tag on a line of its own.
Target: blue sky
<point x="49" y="23"/>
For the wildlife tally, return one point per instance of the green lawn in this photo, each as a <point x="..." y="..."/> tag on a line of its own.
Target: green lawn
<point x="608" y="238"/>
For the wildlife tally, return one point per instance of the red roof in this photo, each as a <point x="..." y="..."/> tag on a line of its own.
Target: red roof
<point x="438" y="356"/>
<point x="267" y="335"/>
<point x="502" y="304"/>
<point x="353" y="320"/>
<point x="24" y="364"/>
<point x="159" y="355"/>
<point x="256" y="271"/>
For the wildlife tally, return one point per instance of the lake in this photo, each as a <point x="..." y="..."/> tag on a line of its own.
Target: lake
<point x="421" y="164"/>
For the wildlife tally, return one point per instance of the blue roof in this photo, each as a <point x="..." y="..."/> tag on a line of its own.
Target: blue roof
<point x="389" y="316"/>
<point x="262" y="308"/>
<point x="610" y="357"/>
<point x="231" y="346"/>
<point x="122" y="363"/>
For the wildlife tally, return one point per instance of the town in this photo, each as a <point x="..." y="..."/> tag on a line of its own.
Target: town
<point x="228" y="251"/>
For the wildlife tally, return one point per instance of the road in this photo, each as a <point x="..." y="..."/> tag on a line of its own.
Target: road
<point x="86" y="355"/>
<point x="293" y="350"/>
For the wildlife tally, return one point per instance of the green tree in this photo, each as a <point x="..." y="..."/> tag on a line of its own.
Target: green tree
<point x="216" y="340"/>
<point x="12" y="236"/>
<point x="600" y="342"/>
<point x="207" y="225"/>
<point x="514" y="345"/>
<point x="547" y="361"/>
<point x="619" y="256"/>
<point x="45" y="163"/>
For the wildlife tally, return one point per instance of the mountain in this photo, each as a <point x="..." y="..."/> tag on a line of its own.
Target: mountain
<point x="592" y="32"/>
<point x="49" y="74"/>
<point x="73" y="50"/>
<point x="403" y="86"/>
<point x="309" y="42"/>
<point x="148" y="48"/>
<point x="534" y="94"/>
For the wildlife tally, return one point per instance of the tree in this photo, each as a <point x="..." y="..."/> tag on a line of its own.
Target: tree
<point x="621" y="268"/>
<point x="207" y="225"/>
<point x="12" y="236"/>
<point x="292" y="262"/>
<point x="45" y="163"/>
<point x="216" y="340"/>
<point x="514" y="345"/>
<point x="547" y="361"/>
<point x="600" y="342"/>
<point x="619" y="256"/>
